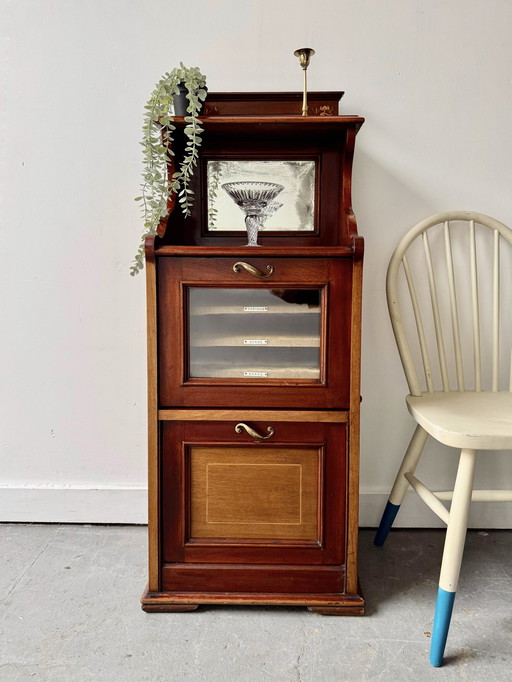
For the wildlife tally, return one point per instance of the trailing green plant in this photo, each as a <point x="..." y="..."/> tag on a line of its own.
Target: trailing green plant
<point x="157" y="138"/>
<point x="213" y="183"/>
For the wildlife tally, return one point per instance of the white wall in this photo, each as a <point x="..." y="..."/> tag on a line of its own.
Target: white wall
<point x="434" y="81"/>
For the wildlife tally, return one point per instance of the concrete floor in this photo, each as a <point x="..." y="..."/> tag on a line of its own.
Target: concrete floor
<point x="70" y="613"/>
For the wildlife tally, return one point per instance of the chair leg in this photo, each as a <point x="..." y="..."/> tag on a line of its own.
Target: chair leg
<point x="397" y="494"/>
<point x="452" y="554"/>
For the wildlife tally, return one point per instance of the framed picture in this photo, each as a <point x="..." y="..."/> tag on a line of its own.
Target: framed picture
<point x="281" y="191"/>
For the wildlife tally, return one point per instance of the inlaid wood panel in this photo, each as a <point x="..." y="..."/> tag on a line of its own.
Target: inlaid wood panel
<point x="239" y="493"/>
<point x="270" y="103"/>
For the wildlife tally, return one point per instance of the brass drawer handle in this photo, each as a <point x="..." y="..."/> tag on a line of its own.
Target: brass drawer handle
<point x="252" y="432"/>
<point x="254" y="271"/>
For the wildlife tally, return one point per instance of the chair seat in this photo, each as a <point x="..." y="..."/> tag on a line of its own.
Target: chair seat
<point x="480" y="420"/>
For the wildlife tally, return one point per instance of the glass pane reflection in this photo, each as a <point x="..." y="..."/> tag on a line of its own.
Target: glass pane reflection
<point x="296" y="208"/>
<point x="254" y="333"/>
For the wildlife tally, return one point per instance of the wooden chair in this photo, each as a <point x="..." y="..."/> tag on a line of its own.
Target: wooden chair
<point x="461" y="338"/>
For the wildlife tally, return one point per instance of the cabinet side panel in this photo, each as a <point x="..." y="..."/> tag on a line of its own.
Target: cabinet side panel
<point x="354" y="425"/>
<point x="153" y="459"/>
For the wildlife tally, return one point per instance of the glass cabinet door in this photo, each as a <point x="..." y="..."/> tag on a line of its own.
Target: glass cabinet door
<point x="228" y="337"/>
<point x="254" y="333"/>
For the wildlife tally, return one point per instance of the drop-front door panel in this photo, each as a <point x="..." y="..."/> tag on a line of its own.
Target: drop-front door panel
<point x="240" y="499"/>
<point x="254" y="332"/>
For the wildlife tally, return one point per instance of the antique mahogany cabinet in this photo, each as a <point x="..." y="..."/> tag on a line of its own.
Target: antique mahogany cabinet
<point x="254" y="357"/>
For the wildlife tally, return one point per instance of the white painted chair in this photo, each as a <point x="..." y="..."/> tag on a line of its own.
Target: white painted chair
<point x="461" y="339"/>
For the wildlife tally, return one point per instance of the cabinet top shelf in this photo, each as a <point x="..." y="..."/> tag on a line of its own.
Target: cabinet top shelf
<point x="331" y="121"/>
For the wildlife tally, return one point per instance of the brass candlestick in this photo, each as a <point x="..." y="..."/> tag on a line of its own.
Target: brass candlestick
<point x="304" y="55"/>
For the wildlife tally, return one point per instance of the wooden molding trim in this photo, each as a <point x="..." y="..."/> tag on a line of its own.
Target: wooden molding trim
<point x="159" y="601"/>
<point x="340" y="416"/>
<point x="263" y="251"/>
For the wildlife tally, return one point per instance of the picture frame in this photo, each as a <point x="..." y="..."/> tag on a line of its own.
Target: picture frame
<point x="286" y="188"/>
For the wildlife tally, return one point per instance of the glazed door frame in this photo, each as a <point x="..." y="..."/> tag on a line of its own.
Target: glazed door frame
<point x="334" y="279"/>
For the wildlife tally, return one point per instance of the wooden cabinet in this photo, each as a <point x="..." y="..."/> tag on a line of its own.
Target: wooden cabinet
<point x="254" y="355"/>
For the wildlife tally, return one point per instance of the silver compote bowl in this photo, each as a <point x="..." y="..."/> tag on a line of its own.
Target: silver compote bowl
<point x="255" y="199"/>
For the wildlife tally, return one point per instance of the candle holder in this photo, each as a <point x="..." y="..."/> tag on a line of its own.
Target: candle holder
<point x="304" y="55"/>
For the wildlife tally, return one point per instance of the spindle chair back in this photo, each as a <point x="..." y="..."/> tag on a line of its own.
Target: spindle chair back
<point x="449" y="292"/>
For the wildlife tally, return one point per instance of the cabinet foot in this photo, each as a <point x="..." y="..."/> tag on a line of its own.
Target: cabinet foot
<point x="356" y="610"/>
<point x="168" y="608"/>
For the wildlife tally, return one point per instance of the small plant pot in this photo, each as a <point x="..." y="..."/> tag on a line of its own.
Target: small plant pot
<point x="181" y="101"/>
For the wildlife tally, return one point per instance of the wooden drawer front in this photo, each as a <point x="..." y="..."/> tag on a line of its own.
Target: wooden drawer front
<point x="229" y="499"/>
<point x="299" y="360"/>
<point x="287" y="270"/>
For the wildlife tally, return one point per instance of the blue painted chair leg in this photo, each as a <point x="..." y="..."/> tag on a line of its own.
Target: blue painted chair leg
<point x="386" y="522"/>
<point x="442" y="617"/>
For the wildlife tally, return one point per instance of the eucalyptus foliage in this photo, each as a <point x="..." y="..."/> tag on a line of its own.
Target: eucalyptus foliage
<point x="157" y="186"/>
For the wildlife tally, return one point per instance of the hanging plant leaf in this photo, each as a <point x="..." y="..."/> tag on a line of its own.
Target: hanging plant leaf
<point x="157" y="186"/>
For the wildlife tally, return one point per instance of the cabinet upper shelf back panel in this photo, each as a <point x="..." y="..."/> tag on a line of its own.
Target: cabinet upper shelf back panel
<point x="256" y="137"/>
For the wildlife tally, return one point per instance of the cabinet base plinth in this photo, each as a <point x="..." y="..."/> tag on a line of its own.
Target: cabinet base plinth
<point x="327" y="604"/>
<point x="338" y="610"/>
<point x="168" y="608"/>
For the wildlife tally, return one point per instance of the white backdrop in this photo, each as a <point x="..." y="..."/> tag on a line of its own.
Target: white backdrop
<point x="434" y="81"/>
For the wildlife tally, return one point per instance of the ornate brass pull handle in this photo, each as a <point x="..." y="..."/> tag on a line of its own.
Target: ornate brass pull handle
<point x="252" y="432"/>
<point x="254" y="271"/>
